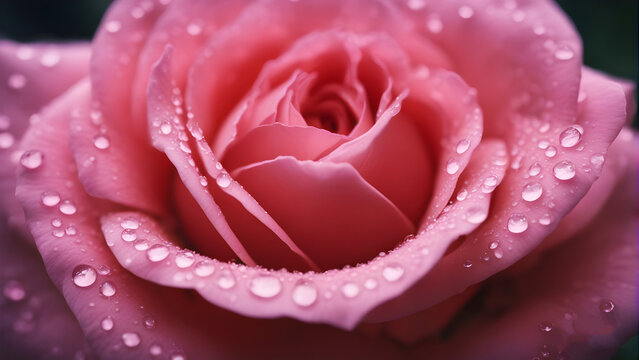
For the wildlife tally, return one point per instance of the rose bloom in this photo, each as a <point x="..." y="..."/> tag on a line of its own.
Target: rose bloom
<point x="316" y="179"/>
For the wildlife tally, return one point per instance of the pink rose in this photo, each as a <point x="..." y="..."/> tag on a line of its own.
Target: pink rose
<point x="430" y="179"/>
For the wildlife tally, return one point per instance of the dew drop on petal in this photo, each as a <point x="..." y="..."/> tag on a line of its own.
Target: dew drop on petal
<point x="226" y="280"/>
<point x="157" y="252"/>
<point x="149" y="323"/>
<point x="571" y="136"/>
<point x="468" y="264"/>
<point x="546" y="326"/>
<point x="416" y="4"/>
<point x="564" y="53"/>
<point x="83" y="275"/>
<point x="177" y="356"/>
<point x="265" y="286"/>
<point x="107" y="323"/>
<point x="204" y="268"/>
<point x="113" y="26"/>
<point x="130" y="223"/>
<point x="434" y="24"/>
<point x="50" y="198"/>
<point x="462" y="146"/>
<point x="532" y="191"/>
<point x="304" y="294"/>
<point x="606" y="305"/>
<point x="194" y="29"/>
<point x="597" y="159"/>
<point x="104" y="270"/>
<point x="551" y="151"/>
<point x="476" y="215"/>
<point x="223" y="180"/>
<point x="101" y="142"/>
<point x="499" y="253"/>
<point x="393" y="272"/>
<point x="107" y="289"/>
<point x="50" y="58"/>
<point x="141" y="244"/>
<point x="466" y="12"/>
<point x="493" y="245"/>
<point x="128" y="235"/>
<point x="545" y="219"/>
<point x="131" y="339"/>
<point x="6" y="140"/>
<point x="452" y="166"/>
<point x="14" y="291"/>
<point x="155" y="350"/>
<point x="165" y="128"/>
<point x="17" y="81"/>
<point x="370" y="284"/>
<point x="517" y="223"/>
<point x="31" y="159"/>
<point x="489" y="184"/>
<point x="564" y="170"/>
<point x="350" y="290"/>
<point x="184" y="259"/>
<point x="534" y="169"/>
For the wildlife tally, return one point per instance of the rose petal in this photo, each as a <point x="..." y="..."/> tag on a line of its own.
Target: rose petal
<point x="32" y="75"/>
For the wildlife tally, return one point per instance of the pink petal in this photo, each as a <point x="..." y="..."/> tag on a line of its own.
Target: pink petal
<point x="606" y="100"/>
<point x="32" y="75"/>
<point x="583" y="293"/>
<point x="267" y="142"/>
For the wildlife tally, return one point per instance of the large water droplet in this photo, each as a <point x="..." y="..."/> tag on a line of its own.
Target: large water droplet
<point x="130" y="223"/>
<point x="31" y="159"/>
<point x="416" y="4"/>
<point x="304" y="294"/>
<point x="517" y="223"/>
<point x="393" y="272"/>
<point x="50" y="59"/>
<point x="165" y="128"/>
<point x="564" y="170"/>
<point x="157" y="252"/>
<point x="194" y="29"/>
<point x="17" y="81"/>
<point x="462" y="195"/>
<point x="434" y="24"/>
<point x="571" y="136"/>
<point x="463" y="146"/>
<point x="50" y="198"/>
<point x="370" y="284"/>
<point x="107" y="323"/>
<point x="128" y="235"/>
<point x="184" y="259"/>
<point x="564" y="53"/>
<point x="83" y="275"/>
<point x="466" y="12"/>
<point x="101" y="142"/>
<point x="532" y="191"/>
<point x="107" y="289"/>
<point x="551" y="151"/>
<point x="452" y="166"/>
<point x="606" y="305"/>
<point x="489" y="184"/>
<point x="534" y="169"/>
<point x="131" y="339"/>
<point x="223" y="180"/>
<point x="597" y="159"/>
<point x="113" y="26"/>
<point x="204" y="268"/>
<point x="350" y="290"/>
<point x="14" y="291"/>
<point x="6" y="140"/>
<point x="476" y="215"/>
<point x="226" y="280"/>
<point x="141" y="244"/>
<point x="545" y="219"/>
<point x="67" y="207"/>
<point x="265" y="286"/>
<point x="155" y="350"/>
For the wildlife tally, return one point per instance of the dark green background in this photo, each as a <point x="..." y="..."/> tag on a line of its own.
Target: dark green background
<point x="608" y="29"/>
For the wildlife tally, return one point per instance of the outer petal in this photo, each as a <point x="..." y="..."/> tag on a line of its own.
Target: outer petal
<point x="583" y="293"/>
<point x="32" y="75"/>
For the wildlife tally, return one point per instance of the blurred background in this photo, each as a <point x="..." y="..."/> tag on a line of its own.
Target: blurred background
<point x="608" y="28"/>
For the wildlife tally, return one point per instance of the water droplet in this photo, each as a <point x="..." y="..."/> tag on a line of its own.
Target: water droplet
<point x="534" y="169"/>
<point x="416" y="4"/>
<point x="564" y="52"/>
<point x="461" y="196"/>
<point x="130" y="223"/>
<point x="101" y="142"/>
<point x="226" y="280"/>
<point x="50" y="59"/>
<point x="265" y="286"/>
<point x="141" y="244"/>
<point x="499" y="253"/>
<point x="543" y="144"/>
<point x="532" y="191"/>
<point x="463" y="146"/>
<point x="350" y="290"/>
<point x="17" y="81"/>
<point x="571" y="136"/>
<point x="493" y="245"/>
<point x="564" y="170"/>
<point x="304" y="294"/>
<point x="83" y="275"/>
<point x="546" y="326"/>
<point x="58" y="233"/>
<point x="452" y="166"/>
<point x="468" y="264"/>
<point x="466" y="12"/>
<point x="370" y="284"/>
<point x="551" y="151"/>
<point x="489" y="184"/>
<point x="104" y="270"/>
<point x="107" y="323"/>
<point x="519" y="16"/>
<point x="71" y="230"/>
<point x="6" y="140"/>
<point x="204" y="268"/>
<point x="31" y="159"/>
<point x="184" y="259"/>
<point x="131" y="339"/>
<point x="434" y="24"/>
<point x="597" y="159"/>
<point x="25" y="53"/>
<point x="606" y="305"/>
<point x="155" y="350"/>
<point x="113" y="26"/>
<point x="157" y="252"/>
<point x="107" y="289"/>
<point x="539" y="29"/>
<point x="204" y="181"/>
<point x="545" y="219"/>
<point x="178" y="356"/>
<point x="476" y="215"/>
<point x="393" y="272"/>
<point x="194" y="29"/>
<point x="14" y="291"/>
<point x="56" y="222"/>
<point x="165" y="128"/>
<point x="128" y="235"/>
<point x="517" y="223"/>
<point x="149" y="323"/>
<point x="223" y="180"/>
